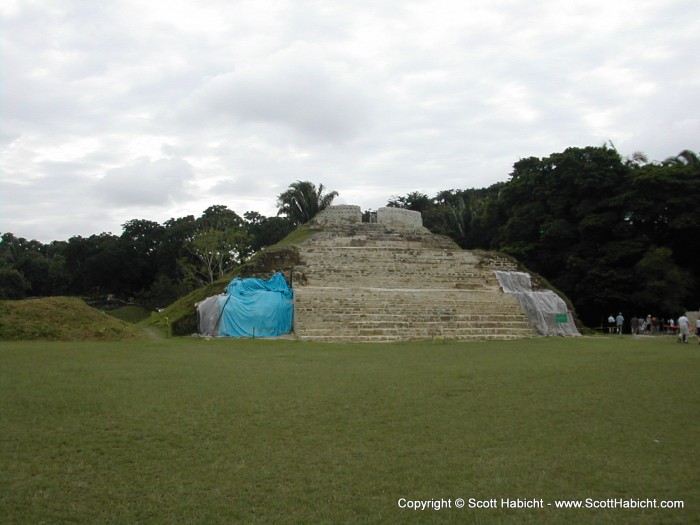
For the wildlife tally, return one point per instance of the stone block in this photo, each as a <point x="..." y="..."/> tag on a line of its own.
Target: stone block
<point x="339" y="214"/>
<point x="399" y="218"/>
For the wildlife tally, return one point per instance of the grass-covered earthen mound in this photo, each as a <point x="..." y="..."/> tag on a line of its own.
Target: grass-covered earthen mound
<point x="60" y="319"/>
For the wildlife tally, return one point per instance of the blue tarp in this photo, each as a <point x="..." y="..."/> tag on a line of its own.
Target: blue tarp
<point x="257" y="308"/>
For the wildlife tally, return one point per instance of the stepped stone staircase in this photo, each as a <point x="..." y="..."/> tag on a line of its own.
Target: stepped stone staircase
<point x="393" y="280"/>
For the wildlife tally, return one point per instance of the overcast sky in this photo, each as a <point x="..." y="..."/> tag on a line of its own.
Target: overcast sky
<point x="139" y="109"/>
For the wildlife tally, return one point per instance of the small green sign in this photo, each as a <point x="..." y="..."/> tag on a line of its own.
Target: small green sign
<point x="562" y="318"/>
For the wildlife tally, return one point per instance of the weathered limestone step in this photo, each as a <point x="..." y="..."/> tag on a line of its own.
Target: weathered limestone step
<point x="440" y="298"/>
<point x="356" y="322"/>
<point x="368" y="235"/>
<point x="395" y="267"/>
<point x="416" y="334"/>
<point x="336" y="313"/>
<point x="394" y="337"/>
<point x="406" y="320"/>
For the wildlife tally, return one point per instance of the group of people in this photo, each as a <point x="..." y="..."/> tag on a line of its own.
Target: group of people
<point x="648" y="325"/>
<point x="652" y="325"/>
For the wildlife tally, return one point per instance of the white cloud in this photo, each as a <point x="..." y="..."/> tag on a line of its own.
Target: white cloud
<point x="124" y="109"/>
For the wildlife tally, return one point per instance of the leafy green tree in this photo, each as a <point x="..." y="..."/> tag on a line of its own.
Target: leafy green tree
<point x="220" y="218"/>
<point x="9" y="249"/>
<point x="470" y="217"/>
<point x="566" y="218"/>
<point x="95" y="265"/>
<point x="661" y="285"/>
<point x="13" y="285"/>
<point x="415" y="201"/>
<point x="663" y="210"/>
<point x="447" y="214"/>
<point x="165" y="290"/>
<point x="266" y="231"/>
<point x="215" y="253"/>
<point x="663" y="206"/>
<point x="57" y="271"/>
<point x="40" y="265"/>
<point x="302" y="201"/>
<point x="177" y="233"/>
<point x="140" y="243"/>
<point x="18" y="256"/>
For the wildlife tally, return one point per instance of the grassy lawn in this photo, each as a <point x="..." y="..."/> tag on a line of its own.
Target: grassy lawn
<point x="187" y="430"/>
<point x="130" y="313"/>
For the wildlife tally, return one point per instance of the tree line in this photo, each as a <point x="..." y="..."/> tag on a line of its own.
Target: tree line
<point x="612" y="233"/>
<point x="150" y="262"/>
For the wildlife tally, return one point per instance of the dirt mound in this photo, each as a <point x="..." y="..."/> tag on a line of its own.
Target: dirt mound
<point x="60" y="319"/>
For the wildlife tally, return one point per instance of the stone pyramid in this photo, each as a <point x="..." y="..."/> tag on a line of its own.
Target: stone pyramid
<point x="391" y="279"/>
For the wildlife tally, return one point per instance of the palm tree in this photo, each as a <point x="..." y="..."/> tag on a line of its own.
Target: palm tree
<point x="637" y="159"/>
<point x="684" y="158"/>
<point x="302" y="201"/>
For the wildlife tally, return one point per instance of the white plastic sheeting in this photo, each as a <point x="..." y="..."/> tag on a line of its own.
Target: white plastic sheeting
<point x="209" y="314"/>
<point x="545" y="309"/>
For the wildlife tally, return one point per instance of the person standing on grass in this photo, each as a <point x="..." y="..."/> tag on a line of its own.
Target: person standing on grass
<point x="611" y="324"/>
<point x="619" y="321"/>
<point x="683" y="324"/>
<point x="697" y="329"/>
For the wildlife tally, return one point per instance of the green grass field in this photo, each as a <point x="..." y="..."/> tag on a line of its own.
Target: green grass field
<point x="188" y="430"/>
<point x="130" y="313"/>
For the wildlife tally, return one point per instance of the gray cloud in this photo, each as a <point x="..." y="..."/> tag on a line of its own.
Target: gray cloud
<point x="144" y="183"/>
<point x="116" y="110"/>
<point x="294" y="88"/>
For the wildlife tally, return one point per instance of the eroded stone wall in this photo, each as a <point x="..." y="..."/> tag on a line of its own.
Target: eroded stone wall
<point x="351" y="214"/>
<point x="399" y="218"/>
<point x="340" y="214"/>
